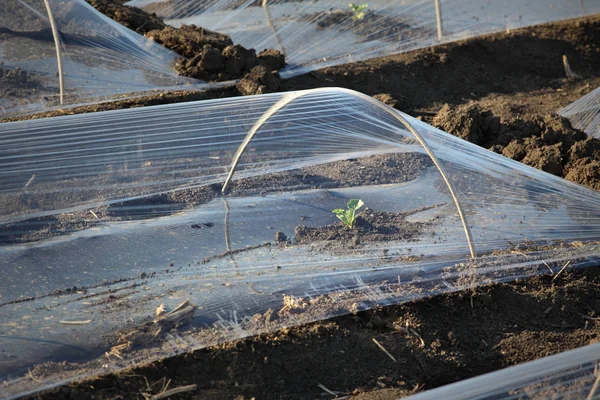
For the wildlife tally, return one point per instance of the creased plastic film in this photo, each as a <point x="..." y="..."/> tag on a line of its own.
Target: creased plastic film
<point x="584" y="113"/>
<point x="569" y="375"/>
<point x="317" y="34"/>
<point x="62" y="53"/>
<point x="84" y="272"/>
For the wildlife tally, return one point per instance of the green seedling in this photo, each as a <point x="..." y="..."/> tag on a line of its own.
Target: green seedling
<point x="359" y="10"/>
<point x="348" y="217"/>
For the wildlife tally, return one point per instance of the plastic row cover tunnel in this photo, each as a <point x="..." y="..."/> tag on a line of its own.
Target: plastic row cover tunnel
<point x="64" y="52"/>
<point x="584" y="113"/>
<point x="316" y="34"/>
<point x="124" y="240"/>
<point x="570" y="375"/>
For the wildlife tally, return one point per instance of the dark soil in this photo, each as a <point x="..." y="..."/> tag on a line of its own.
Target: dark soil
<point x="501" y="92"/>
<point x="547" y="142"/>
<point x="370" y="226"/>
<point x="131" y="17"/>
<point x="211" y="56"/>
<point x="17" y="83"/>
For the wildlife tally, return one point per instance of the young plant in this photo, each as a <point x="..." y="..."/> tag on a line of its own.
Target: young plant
<point x="359" y="10"/>
<point x="348" y="217"/>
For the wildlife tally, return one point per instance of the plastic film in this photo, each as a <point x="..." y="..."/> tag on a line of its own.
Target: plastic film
<point x="569" y="375"/>
<point x="110" y="221"/>
<point x="318" y="34"/>
<point x="64" y="53"/>
<point x="584" y="113"/>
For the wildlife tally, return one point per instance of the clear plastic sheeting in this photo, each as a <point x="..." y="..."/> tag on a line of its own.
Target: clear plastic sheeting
<point x="57" y="53"/>
<point x="584" y="113"/>
<point x="570" y="375"/>
<point x="316" y="34"/>
<point x="101" y="285"/>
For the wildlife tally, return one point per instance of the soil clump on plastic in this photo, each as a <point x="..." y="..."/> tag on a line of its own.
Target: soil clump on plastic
<point x="368" y="25"/>
<point x="370" y="226"/>
<point x="500" y="91"/>
<point x="17" y="83"/>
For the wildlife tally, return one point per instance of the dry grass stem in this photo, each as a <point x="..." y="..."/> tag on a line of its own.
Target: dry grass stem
<point x="384" y="350"/>
<point x="87" y="321"/>
<point x="33" y="377"/>
<point x="594" y="389"/>
<point x="415" y="333"/>
<point x="30" y="181"/>
<point x="160" y="310"/>
<point x="568" y="71"/>
<point x="561" y="270"/>
<point x="174" y="391"/>
<point x="323" y="388"/>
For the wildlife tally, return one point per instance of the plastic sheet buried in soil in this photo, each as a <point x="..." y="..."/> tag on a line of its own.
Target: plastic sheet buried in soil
<point x="569" y="375"/>
<point x="69" y="54"/>
<point x="317" y="34"/>
<point x="441" y="215"/>
<point x="584" y="113"/>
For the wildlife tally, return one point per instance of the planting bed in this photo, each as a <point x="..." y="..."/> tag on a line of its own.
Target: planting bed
<point x="501" y="92"/>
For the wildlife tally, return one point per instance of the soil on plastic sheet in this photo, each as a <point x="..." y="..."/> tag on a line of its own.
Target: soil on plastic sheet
<point x="16" y="83"/>
<point x="372" y="170"/>
<point x="372" y="25"/>
<point x="500" y="91"/>
<point x="370" y="226"/>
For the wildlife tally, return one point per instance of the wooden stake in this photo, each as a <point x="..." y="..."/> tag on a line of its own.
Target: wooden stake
<point x="438" y="18"/>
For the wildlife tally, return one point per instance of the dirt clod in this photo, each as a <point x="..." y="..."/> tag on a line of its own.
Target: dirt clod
<point x="259" y="81"/>
<point x="131" y="17"/>
<point x="239" y="59"/>
<point x="189" y="39"/>
<point x="272" y="59"/>
<point x="386" y="99"/>
<point x="280" y="237"/>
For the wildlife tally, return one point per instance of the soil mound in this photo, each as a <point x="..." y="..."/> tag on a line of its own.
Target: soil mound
<point x="131" y="17"/>
<point x="547" y="142"/>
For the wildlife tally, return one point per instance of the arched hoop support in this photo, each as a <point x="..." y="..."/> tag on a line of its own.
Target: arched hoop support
<point x="58" y="50"/>
<point x="290" y="97"/>
<point x="265" y="7"/>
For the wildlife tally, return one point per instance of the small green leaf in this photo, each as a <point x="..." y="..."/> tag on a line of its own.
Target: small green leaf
<point x="338" y="211"/>
<point x="355" y="204"/>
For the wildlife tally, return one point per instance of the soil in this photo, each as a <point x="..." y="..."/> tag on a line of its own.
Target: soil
<point x="17" y="83"/>
<point x="370" y="226"/>
<point x="131" y="17"/>
<point x="212" y="57"/>
<point x="500" y="91"/>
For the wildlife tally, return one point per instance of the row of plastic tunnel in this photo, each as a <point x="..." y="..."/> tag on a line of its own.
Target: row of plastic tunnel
<point x="95" y="239"/>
